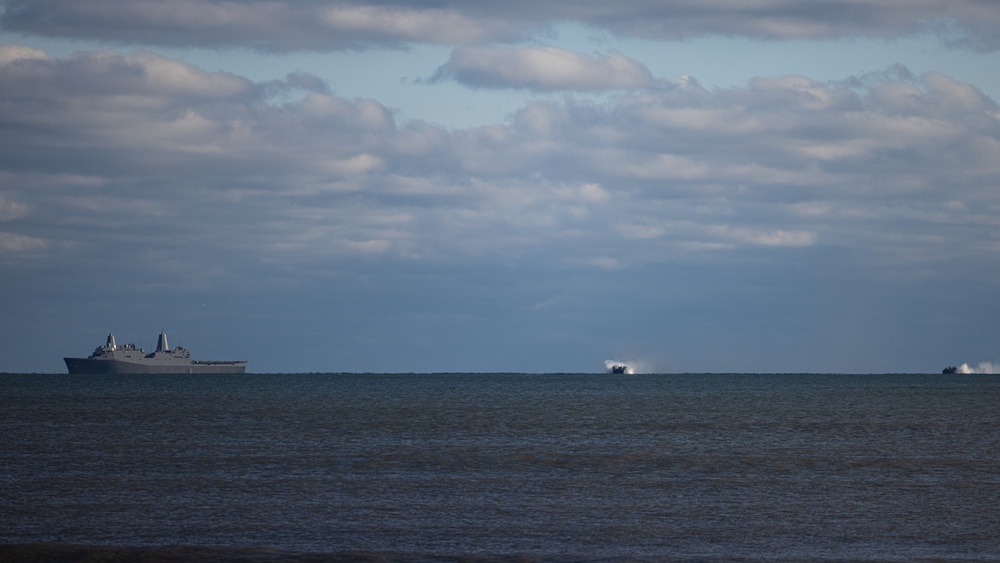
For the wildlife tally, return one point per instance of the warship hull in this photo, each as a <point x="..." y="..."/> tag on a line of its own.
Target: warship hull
<point x="91" y="366"/>
<point x="112" y="358"/>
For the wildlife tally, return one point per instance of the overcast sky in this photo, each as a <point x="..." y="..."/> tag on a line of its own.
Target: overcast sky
<point x="414" y="186"/>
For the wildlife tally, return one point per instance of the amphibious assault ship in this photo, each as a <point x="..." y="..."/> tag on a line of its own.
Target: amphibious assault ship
<point x="112" y="358"/>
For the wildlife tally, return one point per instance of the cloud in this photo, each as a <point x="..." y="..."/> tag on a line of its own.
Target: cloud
<point x="421" y="25"/>
<point x="901" y="168"/>
<point x="543" y="68"/>
<point x="10" y="210"/>
<point x="163" y="180"/>
<point x="960" y="22"/>
<point x="776" y="237"/>
<point x="283" y="25"/>
<point x="13" y="53"/>
<point x="307" y="82"/>
<point x="20" y="243"/>
<point x="266" y="25"/>
<point x="143" y="78"/>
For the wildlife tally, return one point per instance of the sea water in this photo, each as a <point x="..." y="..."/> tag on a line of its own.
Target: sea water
<point x="553" y="467"/>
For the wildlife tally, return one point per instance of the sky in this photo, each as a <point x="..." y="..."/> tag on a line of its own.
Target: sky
<point x="416" y="186"/>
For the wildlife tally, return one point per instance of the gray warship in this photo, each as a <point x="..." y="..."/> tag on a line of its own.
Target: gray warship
<point x="112" y="358"/>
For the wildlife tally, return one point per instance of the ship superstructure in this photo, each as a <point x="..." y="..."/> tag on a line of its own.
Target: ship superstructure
<point x="112" y="358"/>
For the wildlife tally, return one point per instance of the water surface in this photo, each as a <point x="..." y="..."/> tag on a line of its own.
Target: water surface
<point x="560" y="467"/>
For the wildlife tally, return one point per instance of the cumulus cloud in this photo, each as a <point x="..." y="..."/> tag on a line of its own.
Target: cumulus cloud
<point x="138" y="170"/>
<point x="966" y="22"/>
<point x="30" y="73"/>
<point x="259" y="24"/>
<point x="420" y="25"/>
<point x="543" y="68"/>
<point x="780" y="165"/>
<point x="283" y="25"/>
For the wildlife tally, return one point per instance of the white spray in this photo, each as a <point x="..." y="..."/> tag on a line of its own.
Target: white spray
<point x="982" y="367"/>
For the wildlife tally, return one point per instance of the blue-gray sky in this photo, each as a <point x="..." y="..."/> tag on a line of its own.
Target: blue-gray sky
<point x="710" y="185"/>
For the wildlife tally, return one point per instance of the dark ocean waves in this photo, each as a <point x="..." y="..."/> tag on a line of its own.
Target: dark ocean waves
<point x="555" y="467"/>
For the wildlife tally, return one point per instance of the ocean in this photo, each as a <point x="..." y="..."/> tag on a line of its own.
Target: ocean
<point x="519" y="467"/>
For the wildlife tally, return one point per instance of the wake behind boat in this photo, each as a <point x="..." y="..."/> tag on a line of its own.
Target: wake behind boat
<point x="112" y="358"/>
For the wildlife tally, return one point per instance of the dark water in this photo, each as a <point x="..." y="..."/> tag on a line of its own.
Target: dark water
<point x="558" y="467"/>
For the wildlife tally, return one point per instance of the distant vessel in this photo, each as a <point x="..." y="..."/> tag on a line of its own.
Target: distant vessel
<point x="619" y="369"/>
<point x="112" y="358"/>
